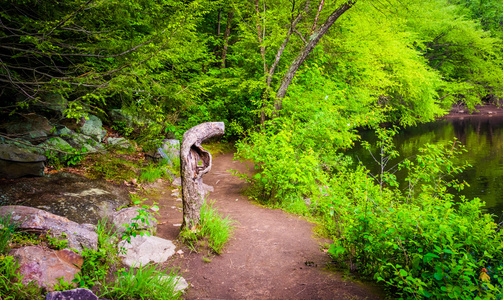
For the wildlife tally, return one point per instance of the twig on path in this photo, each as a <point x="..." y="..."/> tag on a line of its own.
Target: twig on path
<point x="301" y="291"/>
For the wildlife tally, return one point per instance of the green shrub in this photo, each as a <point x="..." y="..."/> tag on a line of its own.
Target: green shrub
<point x="420" y="243"/>
<point x="213" y="229"/>
<point x="98" y="263"/>
<point x="57" y="243"/>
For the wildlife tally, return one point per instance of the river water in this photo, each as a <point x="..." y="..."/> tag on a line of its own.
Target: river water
<point x="482" y="136"/>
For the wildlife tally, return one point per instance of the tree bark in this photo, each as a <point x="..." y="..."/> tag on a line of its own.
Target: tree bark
<point x="195" y="161"/>
<point x="226" y="37"/>
<point x="301" y="57"/>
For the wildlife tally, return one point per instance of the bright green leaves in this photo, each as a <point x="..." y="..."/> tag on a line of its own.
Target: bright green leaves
<point x="419" y="242"/>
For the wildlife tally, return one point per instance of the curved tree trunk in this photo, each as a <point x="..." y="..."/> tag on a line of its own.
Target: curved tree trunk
<point x="313" y="41"/>
<point x="195" y="161"/>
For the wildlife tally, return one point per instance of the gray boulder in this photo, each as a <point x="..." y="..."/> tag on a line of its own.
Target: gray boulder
<point x="181" y="284"/>
<point x="54" y="102"/>
<point x="33" y="219"/>
<point x="126" y="216"/>
<point x="75" y="294"/>
<point x="57" y="143"/>
<point x="45" y="266"/>
<point x="171" y="150"/>
<point x="92" y="127"/>
<point x="78" y="140"/>
<point x="145" y="249"/>
<point x="119" y="142"/>
<point x="17" y="162"/>
<point x="31" y="126"/>
<point x="64" y="132"/>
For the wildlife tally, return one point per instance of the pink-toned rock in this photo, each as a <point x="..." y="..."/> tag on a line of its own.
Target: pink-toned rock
<point x="45" y="266"/>
<point x="78" y="235"/>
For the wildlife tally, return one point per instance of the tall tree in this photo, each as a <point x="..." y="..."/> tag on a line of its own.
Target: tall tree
<point x="314" y="38"/>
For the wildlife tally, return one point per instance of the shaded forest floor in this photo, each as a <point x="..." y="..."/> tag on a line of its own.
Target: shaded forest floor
<point x="272" y="255"/>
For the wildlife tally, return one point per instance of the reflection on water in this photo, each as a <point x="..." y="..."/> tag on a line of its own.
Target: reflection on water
<point x="483" y="138"/>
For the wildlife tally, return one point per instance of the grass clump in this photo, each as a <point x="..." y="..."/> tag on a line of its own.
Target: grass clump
<point x="146" y="283"/>
<point x="213" y="230"/>
<point x="7" y="229"/>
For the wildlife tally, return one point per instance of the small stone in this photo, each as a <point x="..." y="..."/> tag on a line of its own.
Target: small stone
<point x="75" y="294"/>
<point x="177" y="181"/>
<point x="181" y="284"/>
<point x="119" y="142"/>
<point x="177" y="225"/>
<point x="145" y="249"/>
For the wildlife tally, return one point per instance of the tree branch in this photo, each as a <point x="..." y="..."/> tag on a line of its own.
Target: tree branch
<point x="301" y="57"/>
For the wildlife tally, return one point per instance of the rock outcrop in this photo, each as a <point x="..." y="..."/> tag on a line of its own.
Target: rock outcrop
<point x="16" y="162"/>
<point x="73" y="196"/>
<point x="93" y="128"/>
<point x="32" y="127"/>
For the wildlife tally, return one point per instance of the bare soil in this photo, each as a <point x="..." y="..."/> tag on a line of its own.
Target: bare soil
<point x="272" y="255"/>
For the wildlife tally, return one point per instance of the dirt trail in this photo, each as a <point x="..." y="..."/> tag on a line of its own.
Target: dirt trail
<point x="273" y="255"/>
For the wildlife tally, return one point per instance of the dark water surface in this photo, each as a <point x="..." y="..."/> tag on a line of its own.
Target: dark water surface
<point x="482" y="136"/>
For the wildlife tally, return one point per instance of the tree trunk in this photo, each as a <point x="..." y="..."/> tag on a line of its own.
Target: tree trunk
<point x="226" y="37"/>
<point x="313" y="41"/>
<point x="195" y="161"/>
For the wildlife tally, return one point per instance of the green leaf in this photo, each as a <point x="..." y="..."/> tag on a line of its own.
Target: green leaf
<point x="438" y="276"/>
<point x="403" y="273"/>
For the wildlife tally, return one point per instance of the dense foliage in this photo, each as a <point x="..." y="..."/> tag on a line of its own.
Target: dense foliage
<point x="179" y="63"/>
<point x="416" y="239"/>
<point x="294" y="80"/>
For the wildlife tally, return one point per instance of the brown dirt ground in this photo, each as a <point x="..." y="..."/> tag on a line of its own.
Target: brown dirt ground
<point x="272" y="255"/>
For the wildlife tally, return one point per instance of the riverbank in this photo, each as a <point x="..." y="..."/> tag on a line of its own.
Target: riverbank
<point x="481" y="110"/>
